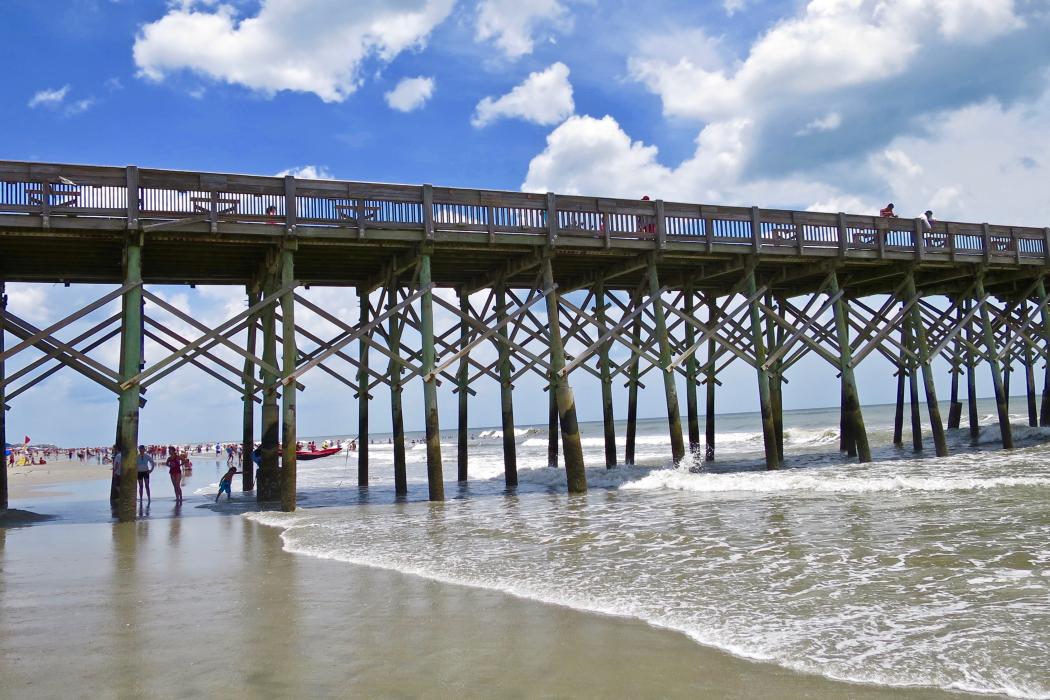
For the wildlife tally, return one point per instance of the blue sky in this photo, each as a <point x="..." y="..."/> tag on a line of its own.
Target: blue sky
<point x="831" y="105"/>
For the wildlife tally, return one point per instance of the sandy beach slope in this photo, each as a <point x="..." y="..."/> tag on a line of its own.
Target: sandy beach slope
<point x="175" y="606"/>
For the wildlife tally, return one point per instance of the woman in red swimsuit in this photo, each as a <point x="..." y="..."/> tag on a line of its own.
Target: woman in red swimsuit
<point x="174" y="464"/>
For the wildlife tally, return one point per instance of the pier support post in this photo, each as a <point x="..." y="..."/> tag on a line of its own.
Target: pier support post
<point x="940" y="442"/>
<point x="674" y="418"/>
<point x="776" y="380"/>
<point x="463" y="389"/>
<point x="397" y="416"/>
<point x="288" y="361"/>
<point x="898" y="414"/>
<point x="248" y="423"/>
<point x="913" y="387"/>
<point x="267" y="487"/>
<point x="1044" y="315"/>
<point x="1002" y="411"/>
<point x="570" y="430"/>
<point x="130" y="365"/>
<point x="506" y="392"/>
<point x="552" y="422"/>
<point x="632" y="392"/>
<point x="605" y="373"/>
<point x="363" y="396"/>
<point x="1029" y="385"/>
<point x="954" y="405"/>
<point x="3" y="405"/>
<point x="971" y="379"/>
<point x="711" y="382"/>
<point x="435" y="478"/>
<point x="851" y="398"/>
<point x="692" y="410"/>
<point x="769" y="437"/>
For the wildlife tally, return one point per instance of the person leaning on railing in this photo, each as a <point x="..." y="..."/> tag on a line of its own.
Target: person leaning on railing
<point x="887" y="212"/>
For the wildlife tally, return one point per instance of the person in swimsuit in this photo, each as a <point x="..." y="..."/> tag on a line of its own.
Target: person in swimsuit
<point x="145" y="468"/>
<point x="225" y="482"/>
<point x="174" y="464"/>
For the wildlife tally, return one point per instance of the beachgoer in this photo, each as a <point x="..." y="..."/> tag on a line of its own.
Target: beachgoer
<point x="887" y="212"/>
<point x="174" y="464"/>
<point x="646" y="224"/>
<point x="225" y="482"/>
<point x="928" y="221"/>
<point x="146" y="465"/>
<point x="114" y="487"/>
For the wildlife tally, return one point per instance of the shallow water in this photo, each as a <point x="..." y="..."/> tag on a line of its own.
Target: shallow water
<point x="905" y="572"/>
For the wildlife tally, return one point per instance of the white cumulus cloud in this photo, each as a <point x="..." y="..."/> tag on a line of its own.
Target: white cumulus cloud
<point x="49" y="97"/>
<point x="308" y="172"/>
<point x="545" y="97"/>
<point x="512" y="24"/>
<point x="313" y="46"/>
<point x="410" y="94"/>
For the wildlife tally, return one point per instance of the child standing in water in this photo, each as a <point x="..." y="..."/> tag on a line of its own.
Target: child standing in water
<point x="225" y="482"/>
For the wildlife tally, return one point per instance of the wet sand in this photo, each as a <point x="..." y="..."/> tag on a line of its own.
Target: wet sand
<point x="27" y="480"/>
<point x="176" y="606"/>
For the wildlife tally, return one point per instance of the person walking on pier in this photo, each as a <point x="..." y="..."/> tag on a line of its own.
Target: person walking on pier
<point x="174" y="464"/>
<point x="146" y="465"/>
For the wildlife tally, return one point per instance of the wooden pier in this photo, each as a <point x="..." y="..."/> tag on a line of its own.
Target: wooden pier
<point x="554" y="283"/>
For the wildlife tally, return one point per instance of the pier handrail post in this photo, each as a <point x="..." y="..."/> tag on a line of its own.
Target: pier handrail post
<point x="1005" y="431"/>
<point x="575" y="474"/>
<point x="661" y="225"/>
<point x="674" y="418"/>
<point x="769" y="437"/>
<point x="435" y="479"/>
<point x="756" y="231"/>
<point x="288" y="362"/>
<point x="940" y="442"/>
<point x="506" y="389"/>
<point x="363" y="382"/>
<point x="852" y="410"/>
<point x="605" y="372"/>
<point x="130" y="366"/>
<point x="132" y="197"/>
<point x="842" y="234"/>
<point x="552" y="219"/>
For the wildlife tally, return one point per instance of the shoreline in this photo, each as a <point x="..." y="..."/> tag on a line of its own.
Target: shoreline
<point x="460" y="638"/>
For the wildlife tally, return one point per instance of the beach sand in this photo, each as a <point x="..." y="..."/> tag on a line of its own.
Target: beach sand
<point x="25" y="481"/>
<point x="175" y="606"/>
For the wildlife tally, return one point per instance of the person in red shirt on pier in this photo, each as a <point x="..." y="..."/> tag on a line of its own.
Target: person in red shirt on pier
<point x="887" y="212"/>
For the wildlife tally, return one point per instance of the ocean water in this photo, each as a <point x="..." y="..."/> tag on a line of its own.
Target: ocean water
<point x="909" y="571"/>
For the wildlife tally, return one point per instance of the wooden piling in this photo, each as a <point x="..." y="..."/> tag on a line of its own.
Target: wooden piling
<point x="552" y="422"/>
<point x="397" y="416"/>
<point x="776" y="393"/>
<point x="971" y="379"/>
<point x="913" y="389"/>
<point x="769" y="437"/>
<point x="435" y="478"/>
<point x="131" y="365"/>
<point x="248" y="418"/>
<point x="267" y="486"/>
<point x="1044" y="315"/>
<point x="858" y="435"/>
<point x="463" y="389"/>
<point x="575" y="474"/>
<point x="605" y="374"/>
<point x="940" y="442"/>
<point x="674" y="418"/>
<point x="1005" y="431"/>
<point x="3" y="405"/>
<point x="632" y="393"/>
<point x="692" y="410"/>
<point x="711" y="383"/>
<point x="954" y="405"/>
<point x="363" y="380"/>
<point x="898" y="414"/>
<point x="288" y="364"/>
<point x="1029" y="385"/>
<point x="506" y="393"/>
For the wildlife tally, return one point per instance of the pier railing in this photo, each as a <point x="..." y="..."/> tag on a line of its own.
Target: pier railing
<point x="109" y="197"/>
